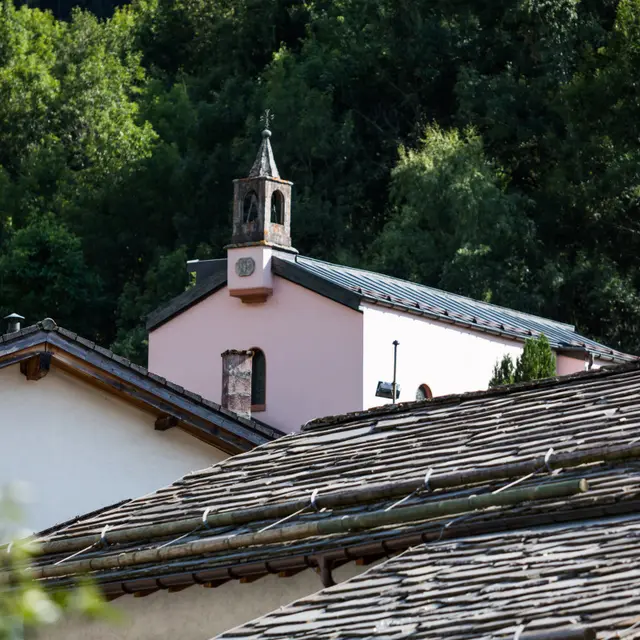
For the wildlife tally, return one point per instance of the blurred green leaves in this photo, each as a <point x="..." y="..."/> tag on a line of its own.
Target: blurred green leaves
<point x="24" y="603"/>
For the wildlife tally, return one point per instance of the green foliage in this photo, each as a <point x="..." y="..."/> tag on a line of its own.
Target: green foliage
<point x="26" y="605"/>
<point x="503" y="372"/>
<point x="491" y="149"/>
<point x="536" y="362"/>
<point x="43" y="267"/>
<point x="473" y="235"/>
<point x="164" y="280"/>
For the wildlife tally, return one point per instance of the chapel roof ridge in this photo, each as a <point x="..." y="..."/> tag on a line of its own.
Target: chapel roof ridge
<point x="327" y="422"/>
<point x="475" y="301"/>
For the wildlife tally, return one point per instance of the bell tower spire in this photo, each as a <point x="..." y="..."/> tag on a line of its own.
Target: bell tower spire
<point x="265" y="164"/>
<point x="261" y="224"/>
<point x="262" y="201"/>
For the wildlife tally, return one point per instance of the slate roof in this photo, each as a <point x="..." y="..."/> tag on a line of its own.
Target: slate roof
<point x="352" y="287"/>
<point x="586" y="412"/>
<point x="200" y="417"/>
<point x="536" y="580"/>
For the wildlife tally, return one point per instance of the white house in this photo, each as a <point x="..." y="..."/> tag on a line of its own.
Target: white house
<point x="313" y="338"/>
<point x="84" y="428"/>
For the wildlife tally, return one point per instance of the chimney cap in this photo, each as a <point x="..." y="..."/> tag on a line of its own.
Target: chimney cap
<point x="237" y="352"/>
<point x="13" y="322"/>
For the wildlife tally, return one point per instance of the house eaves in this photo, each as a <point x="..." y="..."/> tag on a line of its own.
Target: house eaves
<point x="563" y="581"/>
<point x="101" y="367"/>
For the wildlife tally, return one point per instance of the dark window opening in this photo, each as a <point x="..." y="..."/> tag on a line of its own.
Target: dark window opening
<point x="277" y="208"/>
<point x="424" y="392"/>
<point x="250" y="207"/>
<point x="258" y="381"/>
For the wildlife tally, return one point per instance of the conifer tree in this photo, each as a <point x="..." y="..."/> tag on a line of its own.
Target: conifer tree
<point x="536" y="362"/>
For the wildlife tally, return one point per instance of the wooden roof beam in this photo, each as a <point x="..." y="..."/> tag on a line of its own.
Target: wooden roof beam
<point x="37" y="366"/>
<point x="165" y="422"/>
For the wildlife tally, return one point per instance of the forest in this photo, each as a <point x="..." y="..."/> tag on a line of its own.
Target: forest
<point x="486" y="147"/>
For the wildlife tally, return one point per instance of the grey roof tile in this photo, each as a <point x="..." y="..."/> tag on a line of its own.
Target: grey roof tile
<point x="105" y="352"/>
<point x="86" y="343"/>
<point x="376" y="287"/>
<point x="457" y="433"/>
<point x="66" y="333"/>
<point x="514" y="582"/>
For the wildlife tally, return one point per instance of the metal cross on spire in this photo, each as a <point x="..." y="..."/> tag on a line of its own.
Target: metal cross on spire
<point x="266" y="118"/>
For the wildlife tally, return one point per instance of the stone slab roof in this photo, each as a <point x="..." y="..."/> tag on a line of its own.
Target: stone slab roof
<point x="79" y="356"/>
<point x="587" y="414"/>
<point x="352" y="287"/>
<point x="536" y="580"/>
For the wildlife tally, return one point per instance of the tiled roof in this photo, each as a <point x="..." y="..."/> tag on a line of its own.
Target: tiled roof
<point x="203" y="416"/>
<point x="456" y="434"/>
<point x="351" y="287"/>
<point x="532" y="581"/>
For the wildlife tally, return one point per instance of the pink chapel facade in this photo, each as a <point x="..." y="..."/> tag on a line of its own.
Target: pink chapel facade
<point x="311" y="345"/>
<point x="323" y="351"/>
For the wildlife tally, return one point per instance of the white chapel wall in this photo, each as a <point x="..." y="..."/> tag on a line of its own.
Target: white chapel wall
<point x="196" y="613"/>
<point x="78" y="448"/>
<point x="447" y="358"/>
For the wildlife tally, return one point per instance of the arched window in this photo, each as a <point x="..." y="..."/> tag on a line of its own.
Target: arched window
<point x="258" y="381"/>
<point x="423" y="392"/>
<point x="277" y="207"/>
<point x="250" y="207"/>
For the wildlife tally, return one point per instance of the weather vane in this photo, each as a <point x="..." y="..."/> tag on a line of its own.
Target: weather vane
<point x="266" y="118"/>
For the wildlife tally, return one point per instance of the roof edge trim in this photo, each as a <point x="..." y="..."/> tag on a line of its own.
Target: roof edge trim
<point x="294" y="272"/>
<point x="187" y="299"/>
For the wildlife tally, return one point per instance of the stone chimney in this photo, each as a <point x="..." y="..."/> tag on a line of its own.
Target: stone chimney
<point x="236" y="381"/>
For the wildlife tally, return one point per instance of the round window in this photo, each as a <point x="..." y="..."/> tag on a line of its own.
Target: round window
<point x="423" y="393"/>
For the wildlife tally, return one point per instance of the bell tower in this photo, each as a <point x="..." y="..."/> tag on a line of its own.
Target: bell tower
<point x="262" y="201"/>
<point x="261" y="224"/>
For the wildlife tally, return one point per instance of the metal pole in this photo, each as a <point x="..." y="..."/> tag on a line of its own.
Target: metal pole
<point x="395" y="366"/>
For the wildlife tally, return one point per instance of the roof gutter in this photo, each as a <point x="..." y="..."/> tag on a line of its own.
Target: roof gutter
<point x="345" y="498"/>
<point x="509" y="333"/>
<point x="325" y="527"/>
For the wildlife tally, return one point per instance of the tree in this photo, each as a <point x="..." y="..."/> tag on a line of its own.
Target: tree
<point x="167" y="278"/>
<point x="43" y="272"/>
<point x="70" y="137"/>
<point x="522" y="190"/>
<point x="454" y="224"/>
<point x="536" y="362"/>
<point x="503" y="372"/>
<point x="25" y="604"/>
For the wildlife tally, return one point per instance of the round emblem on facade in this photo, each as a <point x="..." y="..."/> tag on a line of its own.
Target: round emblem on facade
<point x="245" y="267"/>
